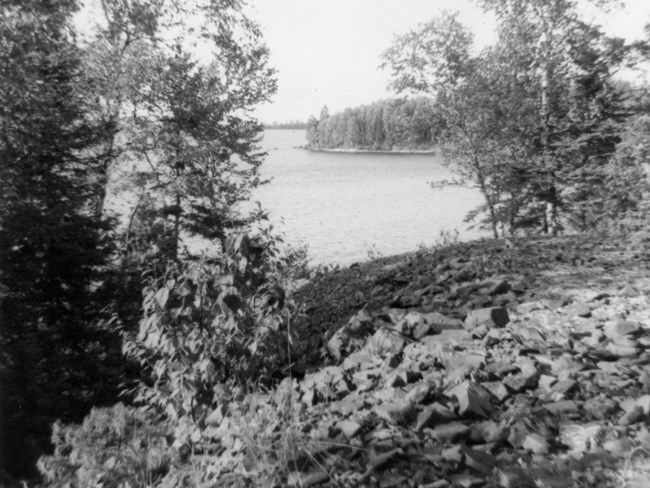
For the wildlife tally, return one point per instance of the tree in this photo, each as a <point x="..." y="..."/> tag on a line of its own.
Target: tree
<point x="187" y="116"/>
<point x="625" y="203"/>
<point x="435" y="59"/>
<point x="528" y="120"/>
<point x="130" y="111"/>
<point x="312" y="132"/>
<point x="384" y="124"/>
<point x="568" y="66"/>
<point x="121" y="61"/>
<point x="51" y="247"/>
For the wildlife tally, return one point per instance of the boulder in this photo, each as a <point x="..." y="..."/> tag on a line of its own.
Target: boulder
<point x="439" y="322"/>
<point x="489" y="432"/>
<point x="472" y="399"/>
<point x="577" y="309"/>
<point x="536" y="443"/>
<point x="351" y="336"/>
<point x="349" y="428"/>
<point x="492" y="317"/>
<point x="490" y="287"/>
<point x="617" y="329"/>
<point x="385" y="341"/>
<point x="480" y="461"/>
<point x="432" y="415"/>
<point x="515" y="478"/>
<point x="579" y="437"/>
<point x="327" y="384"/>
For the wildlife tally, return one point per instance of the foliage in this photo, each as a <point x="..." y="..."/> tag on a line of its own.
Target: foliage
<point x="113" y="447"/>
<point x="289" y="125"/>
<point x="386" y="124"/>
<point x="266" y="438"/>
<point x="436" y="56"/>
<point x="625" y="202"/>
<point x="126" y="112"/>
<point x="183" y="119"/>
<point x="207" y="324"/>
<point x="530" y="121"/>
<point x="51" y="248"/>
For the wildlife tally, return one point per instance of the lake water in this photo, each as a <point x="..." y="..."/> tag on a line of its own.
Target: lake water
<point x="347" y="205"/>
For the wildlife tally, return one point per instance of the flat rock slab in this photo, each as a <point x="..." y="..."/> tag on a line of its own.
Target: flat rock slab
<point x="349" y="428"/>
<point x="439" y="322"/>
<point x="577" y="310"/>
<point x="432" y="415"/>
<point x="451" y="432"/>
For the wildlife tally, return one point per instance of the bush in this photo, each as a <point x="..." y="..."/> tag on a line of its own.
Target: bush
<point x="207" y="324"/>
<point x="113" y="447"/>
<point x="263" y="440"/>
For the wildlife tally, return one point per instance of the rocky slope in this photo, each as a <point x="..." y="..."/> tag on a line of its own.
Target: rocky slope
<point x="508" y="363"/>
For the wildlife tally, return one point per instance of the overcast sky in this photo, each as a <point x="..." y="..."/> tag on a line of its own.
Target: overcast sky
<point x="328" y="51"/>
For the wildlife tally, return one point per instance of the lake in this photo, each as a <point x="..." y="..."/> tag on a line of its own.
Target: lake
<point x="345" y="206"/>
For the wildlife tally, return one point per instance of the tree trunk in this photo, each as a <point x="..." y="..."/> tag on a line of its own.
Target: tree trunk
<point x="127" y="236"/>
<point x="551" y="218"/>
<point x="482" y="184"/>
<point x="100" y="196"/>
<point x="177" y="224"/>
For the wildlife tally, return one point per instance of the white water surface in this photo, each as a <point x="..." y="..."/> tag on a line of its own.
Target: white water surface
<point x="344" y="206"/>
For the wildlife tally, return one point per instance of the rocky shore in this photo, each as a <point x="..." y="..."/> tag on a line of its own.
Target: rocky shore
<point x="506" y="363"/>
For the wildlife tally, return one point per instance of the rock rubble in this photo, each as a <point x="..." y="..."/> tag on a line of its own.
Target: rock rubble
<point x="444" y="377"/>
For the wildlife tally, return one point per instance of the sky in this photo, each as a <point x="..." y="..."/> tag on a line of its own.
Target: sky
<point x="327" y="52"/>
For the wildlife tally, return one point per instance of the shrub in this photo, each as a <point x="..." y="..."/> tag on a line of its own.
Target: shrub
<point x="113" y="447"/>
<point x="209" y="323"/>
<point x="263" y="440"/>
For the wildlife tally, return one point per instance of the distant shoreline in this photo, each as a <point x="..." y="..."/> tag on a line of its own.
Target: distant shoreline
<point x="371" y="151"/>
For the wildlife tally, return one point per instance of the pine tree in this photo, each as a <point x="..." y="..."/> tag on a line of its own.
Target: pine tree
<point x="51" y="246"/>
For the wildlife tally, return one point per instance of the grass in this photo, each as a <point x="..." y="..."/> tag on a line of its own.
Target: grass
<point x="635" y="473"/>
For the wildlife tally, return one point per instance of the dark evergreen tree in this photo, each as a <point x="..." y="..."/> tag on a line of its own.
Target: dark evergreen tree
<point x="51" y="246"/>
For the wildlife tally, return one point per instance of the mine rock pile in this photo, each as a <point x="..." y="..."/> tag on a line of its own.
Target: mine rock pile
<point x="488" y="369"/>
<point x="552" y="394"/>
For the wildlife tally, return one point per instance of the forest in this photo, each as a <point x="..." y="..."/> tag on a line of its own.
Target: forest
<point x="289" y="125"/>
<point x="538" y="122"/>
<point x="109" y="306"/>
<point x="408" y="123"/>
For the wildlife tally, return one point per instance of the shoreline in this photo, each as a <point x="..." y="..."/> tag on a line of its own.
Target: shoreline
<point x="371" y="151"/>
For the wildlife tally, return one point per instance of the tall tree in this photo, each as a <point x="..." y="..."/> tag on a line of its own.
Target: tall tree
<point x="50" y="245"/>
<point x="567" y="65"/>
<point x="186" y="77"/>
<point x="435" y="59"/>
<point x="528" y="120"/>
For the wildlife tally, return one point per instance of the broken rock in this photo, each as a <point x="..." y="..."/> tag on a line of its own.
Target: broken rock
<point x="385" y="341"/>
<point x="450" y="432"/>
<point x="536" y="443"/>
<point x="472" y="399"/>
<point x="492" y="317"/>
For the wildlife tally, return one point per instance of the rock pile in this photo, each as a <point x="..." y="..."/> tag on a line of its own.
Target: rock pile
<point x="515" y="389"/>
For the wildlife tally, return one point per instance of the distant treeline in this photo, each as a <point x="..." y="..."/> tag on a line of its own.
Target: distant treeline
<point x="382" y="125"/>
<point x="292" y="124"/>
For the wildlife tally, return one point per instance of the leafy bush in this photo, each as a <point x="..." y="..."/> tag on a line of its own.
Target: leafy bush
<point x="207" y="324"/>
<point x="117" y="446"/>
